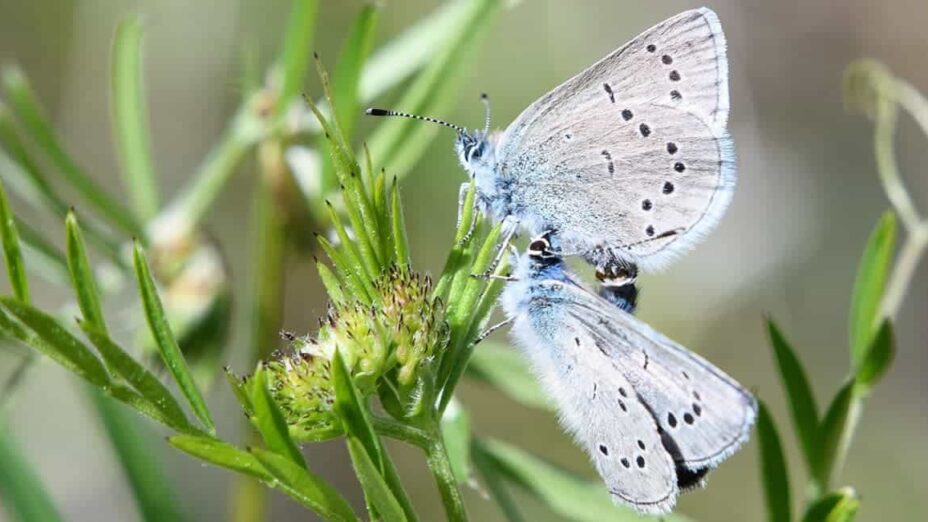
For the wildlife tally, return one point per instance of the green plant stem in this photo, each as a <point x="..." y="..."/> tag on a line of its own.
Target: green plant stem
<point x="844" y="442"/>
<point x="249" y="501"/>
<point x="400" y="431"/>
<point x="440" y="465"/>
<point x="219" y="166"/>
<point x="917" y="227"/>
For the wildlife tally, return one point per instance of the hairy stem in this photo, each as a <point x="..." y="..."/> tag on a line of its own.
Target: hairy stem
<point x="437" y="458"/>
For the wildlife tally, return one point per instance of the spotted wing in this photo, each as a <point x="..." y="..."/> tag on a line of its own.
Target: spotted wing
<point x="599" y="407"/>
<point x="704" y="414"/>
<point x="637" y="142"/>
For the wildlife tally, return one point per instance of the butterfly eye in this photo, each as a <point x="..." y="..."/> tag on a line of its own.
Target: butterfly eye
<point x="477" y="152"/>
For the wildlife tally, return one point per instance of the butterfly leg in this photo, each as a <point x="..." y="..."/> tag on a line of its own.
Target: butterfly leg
<point x="486" y="333"/>
<point x="509" y="228"/>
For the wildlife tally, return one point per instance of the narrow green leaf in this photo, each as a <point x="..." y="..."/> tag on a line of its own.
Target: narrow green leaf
<point x="773" y="468"/>
<point x="25" y="498"/>
<point x="833" y="431"/>
<point x="136" y="401"/>
<point x="333" y="287"/>
<point x="505" y="369"/>
<point x="240" y="390"/>
<point x="567" y="495"/>
<point x="878" y="358"/>
<point x="838" y="506"/>
<point x="221" y="454"/>
<point x="85" y="286"/>
<point x="398" y="228"/>
<point x="399" y="142"/>
<point x="15" y="269"/>
<point x="413" y="49"/>
<point x="462" y="303"/>
<point x="294" y="56"/>
<point x="454" y="262"/>
<point x="28" y="110"/>
<point x="50" y="338"/>
<point x="130" y="118"/>
<point x="869" y="284"/>
<point x="25" y="179"/>
<point x="137" y="376"/>
<point x="139" y="459"/>
<point x="164" y="338"/>
<point x="455" y="430"/>
<point x="354" y="53"/>
<point x="359" y="253"/>
<point x="351" y="273"/>
<point x="798" y="393"/>
<point x="270" y="421"/>
<point x="375" y="488"/>
<point x="304" y="486"/>
<point x="351" y="410"/>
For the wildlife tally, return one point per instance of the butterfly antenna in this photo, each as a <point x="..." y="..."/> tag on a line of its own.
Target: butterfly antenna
<point x="486" y="105"/>
<point x="385" y="112"/>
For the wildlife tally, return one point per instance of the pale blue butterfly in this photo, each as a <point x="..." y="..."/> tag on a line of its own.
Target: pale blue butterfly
<point x="653" y="416"/>
<point x="629" y="162"/>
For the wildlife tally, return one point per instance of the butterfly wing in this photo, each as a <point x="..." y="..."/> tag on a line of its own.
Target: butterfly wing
<point x="598" y="406"/>
<point x="637" y="141"/>
<point x="704" y="414"/>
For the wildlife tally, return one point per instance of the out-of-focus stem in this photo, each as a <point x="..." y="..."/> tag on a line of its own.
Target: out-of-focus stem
<point x="916" y="226"/>
<point x="249" y="499"/>
<point x="207" y="183"/>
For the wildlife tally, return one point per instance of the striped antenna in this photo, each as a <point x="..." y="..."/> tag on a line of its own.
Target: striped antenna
<point x="384" y="112"/>
<point x="486" y="105"/>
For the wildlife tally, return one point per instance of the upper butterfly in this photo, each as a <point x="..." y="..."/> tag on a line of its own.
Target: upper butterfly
<point x="627" y="162"/>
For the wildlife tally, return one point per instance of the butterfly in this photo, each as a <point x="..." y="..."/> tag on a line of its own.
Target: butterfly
<point x="653" y="416"/>
<point x="629" y="162"/>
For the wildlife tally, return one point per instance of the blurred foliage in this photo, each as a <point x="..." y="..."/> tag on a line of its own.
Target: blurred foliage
<point x="826" y="440"/>
<point x="388" y="358"/>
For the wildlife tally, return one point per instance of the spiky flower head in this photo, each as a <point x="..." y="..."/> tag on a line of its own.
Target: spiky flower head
<point x="402" y="329"/>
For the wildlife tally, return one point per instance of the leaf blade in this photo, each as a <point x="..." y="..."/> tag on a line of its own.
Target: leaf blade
<point x="869" y="284"/>
<point x="165" y="340"/>
<point x="879" y="357"/>
<point x="46" y="335"/>
<point x="82" y="279"/>
<point x="12" y="255"/>
<point x="304" y="486"/>
<point x="221" y="454"/>
<point x="773" y="468"/>
<point x="270" y="421"/>
<point x="28" y="110"/>
<point x="129" y="113"/>
<point x="137" y="376"/>
<point x="375" y="488"/>
<point x="798" y="393"/>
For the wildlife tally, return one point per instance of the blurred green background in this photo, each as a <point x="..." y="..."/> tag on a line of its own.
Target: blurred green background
<point x="807" y="197"/>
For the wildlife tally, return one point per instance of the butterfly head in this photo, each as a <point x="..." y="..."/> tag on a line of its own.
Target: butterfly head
<point x="475" y="151"/>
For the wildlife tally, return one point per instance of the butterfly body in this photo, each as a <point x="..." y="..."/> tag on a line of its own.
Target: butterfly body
<point x="653" y="417"/>
<point x="627" y="162"/>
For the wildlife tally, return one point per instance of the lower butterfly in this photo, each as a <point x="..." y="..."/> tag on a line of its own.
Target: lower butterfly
<point x="653" y="416"/>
